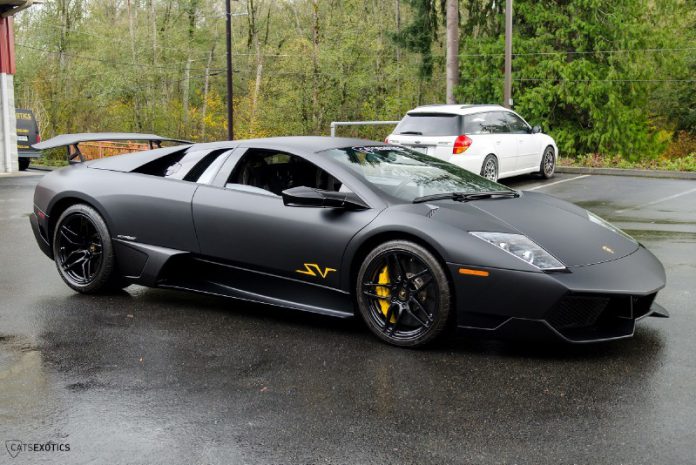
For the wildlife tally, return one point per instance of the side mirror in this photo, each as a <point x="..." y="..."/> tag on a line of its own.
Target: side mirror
<point x="303" y="196"/>
<point x="536" y="130"/>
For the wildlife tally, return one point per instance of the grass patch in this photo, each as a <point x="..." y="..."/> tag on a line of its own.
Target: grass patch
<point x="48" y="162"/>
<point x="685" y="163"/>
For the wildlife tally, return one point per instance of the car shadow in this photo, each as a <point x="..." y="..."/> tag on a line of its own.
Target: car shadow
<point x="646" y="342"/>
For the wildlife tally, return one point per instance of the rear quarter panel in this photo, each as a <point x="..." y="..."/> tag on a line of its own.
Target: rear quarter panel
<point x="153" y="210"/>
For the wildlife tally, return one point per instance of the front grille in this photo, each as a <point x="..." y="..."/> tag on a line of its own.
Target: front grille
<point x="577" y="312"/>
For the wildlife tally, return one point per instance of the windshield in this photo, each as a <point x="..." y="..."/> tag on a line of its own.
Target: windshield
<point x="409" y="175"/>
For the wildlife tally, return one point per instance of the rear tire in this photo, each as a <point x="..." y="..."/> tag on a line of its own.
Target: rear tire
<point x="489" y="168"/>
<point x="403" y="294"/>
<point x="547" y="168"/>
<point x="23" y="164"/>
<point x="83" y="251"/>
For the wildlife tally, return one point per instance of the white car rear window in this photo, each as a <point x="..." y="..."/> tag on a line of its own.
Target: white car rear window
<point x="429" y="124"/>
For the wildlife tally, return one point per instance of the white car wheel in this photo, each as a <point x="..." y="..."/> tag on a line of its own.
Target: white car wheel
<point x="548" y="163"/>
<point x="489" y="169"/>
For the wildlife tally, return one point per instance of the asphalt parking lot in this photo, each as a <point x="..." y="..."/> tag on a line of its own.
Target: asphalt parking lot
<point x="151" y="376"/>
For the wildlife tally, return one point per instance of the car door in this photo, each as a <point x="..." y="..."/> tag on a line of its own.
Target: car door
<point x="504" y="143"/>
<point x="244" y="223"/>
<point x="528" y="150"/>
<point x="155" y="208"/>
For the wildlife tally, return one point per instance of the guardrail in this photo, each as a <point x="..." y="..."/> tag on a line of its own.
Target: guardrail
<point x="335" y="124"/>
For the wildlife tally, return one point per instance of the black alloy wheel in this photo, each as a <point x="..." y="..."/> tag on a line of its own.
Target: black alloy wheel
<point x="403" y="294"/>
<point x="83" y="251"/>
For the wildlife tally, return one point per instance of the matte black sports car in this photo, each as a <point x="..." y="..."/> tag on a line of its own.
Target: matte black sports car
<point x="342" y="227"/>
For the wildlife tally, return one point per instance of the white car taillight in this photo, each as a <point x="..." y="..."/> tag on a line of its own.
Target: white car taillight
<point x="461" y="143"/>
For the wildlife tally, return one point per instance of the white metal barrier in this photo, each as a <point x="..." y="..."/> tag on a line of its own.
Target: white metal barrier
<point x="335" y="124"/>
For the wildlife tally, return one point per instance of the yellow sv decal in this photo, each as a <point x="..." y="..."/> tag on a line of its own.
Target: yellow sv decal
<point x="312" y="269"/>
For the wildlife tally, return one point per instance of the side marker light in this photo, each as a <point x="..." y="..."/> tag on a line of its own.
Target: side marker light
<point x="470" y="272"/>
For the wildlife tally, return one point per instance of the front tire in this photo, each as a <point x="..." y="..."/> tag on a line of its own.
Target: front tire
<point x="489" y="168"/>
<point x="548" y="163"/>
<point x="403" y="294"/>
<point x="83" y="251"/>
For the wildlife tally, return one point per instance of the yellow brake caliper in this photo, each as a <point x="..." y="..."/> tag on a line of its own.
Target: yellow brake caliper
<point x="383" y="278"/>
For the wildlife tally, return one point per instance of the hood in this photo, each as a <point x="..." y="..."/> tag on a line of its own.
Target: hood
<point x="561" y="228"/>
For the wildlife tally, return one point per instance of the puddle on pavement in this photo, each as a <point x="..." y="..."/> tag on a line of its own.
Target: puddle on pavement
<point x="599" y="205"/>
<point x="654" y="221"/>
<point x="660" y="235"/>
<point x="24" y="387"/>
<point x="648" y="227"/>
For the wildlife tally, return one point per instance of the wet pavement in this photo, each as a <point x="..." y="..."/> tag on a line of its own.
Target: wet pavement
<point x="152" y="376"/>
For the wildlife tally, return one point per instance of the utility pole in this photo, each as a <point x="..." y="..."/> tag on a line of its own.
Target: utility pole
<point x="230" y="90"/>
<point x="507" y="89"/>
<point x="230" y="70"/>
<point x="452" y="49"/>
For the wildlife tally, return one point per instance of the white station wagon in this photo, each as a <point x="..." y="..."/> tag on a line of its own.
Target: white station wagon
<point x="489" y="140"/>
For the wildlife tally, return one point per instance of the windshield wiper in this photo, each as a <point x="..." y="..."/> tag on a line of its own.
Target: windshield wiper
<point x="415" y="133"/>
<point x="466" y="196"/>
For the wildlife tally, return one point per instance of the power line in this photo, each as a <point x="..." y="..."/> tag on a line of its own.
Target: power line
<point x="213" y="71"/>
<point x="111" y="39"/>
<point x="604" y="80"/>
<point x="105" y="60"/>
<point x="80" y="77"/>
<point x="582" y="52"/>
<point x="177" y="65"/>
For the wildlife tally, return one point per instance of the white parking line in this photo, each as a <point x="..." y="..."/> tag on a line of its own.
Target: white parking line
<point x="559" y="182"/>
<point x="657" y="201"/>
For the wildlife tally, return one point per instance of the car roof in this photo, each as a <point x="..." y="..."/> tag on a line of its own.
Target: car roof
<point x="298" y="144"/>
<point x="458" y="109"/>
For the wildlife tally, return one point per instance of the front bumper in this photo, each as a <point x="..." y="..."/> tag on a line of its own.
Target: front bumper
<point x="585" y="304"/>
<point x="39" y="225"/>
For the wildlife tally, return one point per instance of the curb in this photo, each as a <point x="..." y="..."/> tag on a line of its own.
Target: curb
<point x="43" y="167"/>
<point x="627" y="172"/>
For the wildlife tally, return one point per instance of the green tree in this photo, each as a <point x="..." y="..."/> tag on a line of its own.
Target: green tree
<point x="586" y="69"/>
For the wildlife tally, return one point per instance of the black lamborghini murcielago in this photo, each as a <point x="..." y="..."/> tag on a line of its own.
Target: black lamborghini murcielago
<point x="345" y="227"/>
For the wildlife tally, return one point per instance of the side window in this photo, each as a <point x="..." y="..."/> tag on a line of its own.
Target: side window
<point x="179" y="169"/>
<point x="475" y="124"/>
<point x="183" y="165"/>
<point x="161" y="166"/>
<point x="206" y="169"/>
<point x="496" y="123"/>
<point x="517" y="125"/>
<point x="273" y="171"/>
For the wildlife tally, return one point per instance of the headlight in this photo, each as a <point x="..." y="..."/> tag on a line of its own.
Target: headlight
<point x="597" y="220"/>
<point x="523" y="248"/>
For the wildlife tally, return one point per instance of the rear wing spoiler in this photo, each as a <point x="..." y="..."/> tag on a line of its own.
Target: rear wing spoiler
<point x="72" y="141"/>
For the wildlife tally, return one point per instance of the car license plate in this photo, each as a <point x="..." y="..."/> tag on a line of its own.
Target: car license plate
<point x="22" y="139"/>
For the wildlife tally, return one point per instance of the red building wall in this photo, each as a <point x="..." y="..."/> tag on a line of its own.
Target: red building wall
<point x="7" y="52"/>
